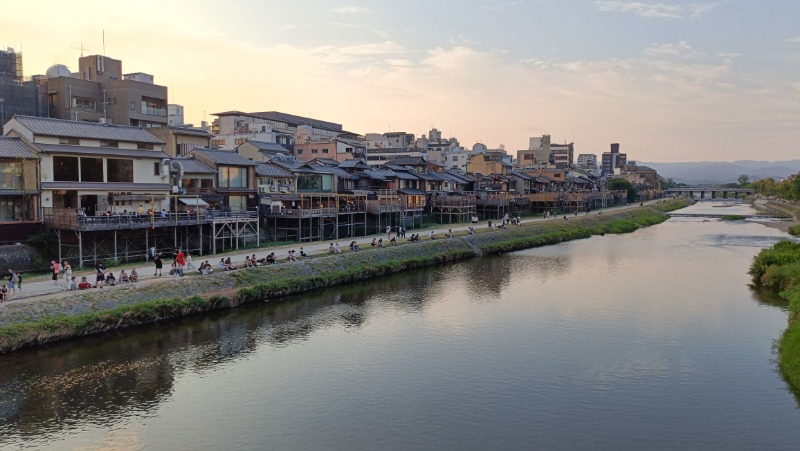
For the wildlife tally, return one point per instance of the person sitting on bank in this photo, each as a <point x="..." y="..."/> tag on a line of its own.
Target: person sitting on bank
<point x="380" y="243"/>
<point x="229" y="265"/>
<point x="290" y="256"/>
<point x="336" y="248"/>
<point x="430" y="235"/>
<point x="354" y="246"/>
<point x="393" y="241"/>
<point x="303" y="253"/>
<point x="271" y="258"/>
<point x="123" y="277"/>
<point x="84" y="285"/>
<point x="222" y="266"/>
<point x="471" y="230"/>
<point x="134" y="276"/>
<point x="247" y="262"/>
<point x="330" y="249"/>
<point x="110" y="279"/>
<point x="374" y="242"/>
<point x="73" y="284"/>
<point x="449" y="233"/>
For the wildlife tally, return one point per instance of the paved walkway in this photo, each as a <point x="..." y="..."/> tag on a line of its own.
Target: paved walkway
<point x="36" y="287"/>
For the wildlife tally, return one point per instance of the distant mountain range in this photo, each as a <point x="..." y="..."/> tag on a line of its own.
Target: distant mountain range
<point x="716" y="172"/>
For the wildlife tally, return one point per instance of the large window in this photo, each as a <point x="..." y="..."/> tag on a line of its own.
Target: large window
<point x="79" y="102"/>
<point x="232" y="177"/>
<point x="16" y="208"/>
<point x="120" y="170"/>
<point x="314" y="182"/>
<point x="91" y="169"/>
<point x="10" y="175"/>
<point x="65" y="169"/>
<point x="237" y="203"/>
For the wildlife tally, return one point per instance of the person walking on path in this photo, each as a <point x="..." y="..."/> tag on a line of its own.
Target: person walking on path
<point x="19" y="280"/>
<point x="388" y="232"/>
<point x="159" y="264"/>
<point x="180" y="262"/>
<point x="100" y="270"/>
<point x="56" y="268"/>
<point x="67" y="273"/>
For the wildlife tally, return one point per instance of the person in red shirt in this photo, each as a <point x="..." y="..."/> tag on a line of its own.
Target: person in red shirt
<point x="180" y="261"/>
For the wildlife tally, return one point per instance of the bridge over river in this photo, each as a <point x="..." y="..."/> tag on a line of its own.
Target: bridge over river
<point x="704" y="193"/>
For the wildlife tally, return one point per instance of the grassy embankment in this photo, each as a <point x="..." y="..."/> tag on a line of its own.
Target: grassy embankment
<point x="95" y="311"/>
<point x="778" y="270"/>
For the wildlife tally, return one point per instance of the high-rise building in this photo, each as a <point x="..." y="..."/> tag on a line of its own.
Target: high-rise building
<point x="613" y="160"/>
<point x="100" y="92"/>
<point x="18" y="95"/>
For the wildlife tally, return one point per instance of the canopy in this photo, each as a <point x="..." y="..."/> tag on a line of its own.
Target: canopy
<point x="193" y="202"/>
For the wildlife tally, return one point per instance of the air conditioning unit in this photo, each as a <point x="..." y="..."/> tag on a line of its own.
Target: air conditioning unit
<point x="272" y="188"/>
<point x="283" y="189"/>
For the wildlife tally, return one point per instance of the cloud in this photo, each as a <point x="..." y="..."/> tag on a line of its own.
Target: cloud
<point x="350" y="9"/>
<point x="656" y="10"/>
<point x="794" y="40"/>
<point x="682" y="49"/>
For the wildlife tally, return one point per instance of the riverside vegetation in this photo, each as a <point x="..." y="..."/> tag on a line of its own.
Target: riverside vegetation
<point x="777" y="269"/>
<point x="83" y="313"/>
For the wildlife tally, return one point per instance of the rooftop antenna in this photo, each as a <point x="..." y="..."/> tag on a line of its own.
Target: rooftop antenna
<point x="104" y="42"/>
<point x="82" y="48"/>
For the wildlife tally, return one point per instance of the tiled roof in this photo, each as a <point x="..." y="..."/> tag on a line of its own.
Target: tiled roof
<point x="15" y="148"/>
<point x="268" y="147"/>
<point x="353" y="163"/>
<point x="89" y="130"/>
<point x="192" y="166"/>
<point x="405" y="175"/>
<point x="190" y="131"/>
<point x="271" y="170"/>
<point x="226" y="157"/>
<point x="521" y="175"/>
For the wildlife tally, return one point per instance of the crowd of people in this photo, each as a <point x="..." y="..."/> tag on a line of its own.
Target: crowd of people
<point x="182" y="261"/>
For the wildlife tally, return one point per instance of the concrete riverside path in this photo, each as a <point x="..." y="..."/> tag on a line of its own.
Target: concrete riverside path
<point x="36" y="287"/>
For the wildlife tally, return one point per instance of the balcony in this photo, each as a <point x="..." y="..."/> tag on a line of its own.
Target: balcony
<point x="150" y="111"/>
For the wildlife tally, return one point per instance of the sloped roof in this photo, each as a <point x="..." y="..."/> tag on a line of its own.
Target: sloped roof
<point x="326" y="161"/>
<point x="268" y="147"/>
<point x="190" y="131"/>
<point x="192" y="166"/>
<point x="405" y="175"/>
<point x="226" y="157"/>
<point x="15" y="148"/>
<point x="353" y="163"/>
<point x="89" y="130"/>
<point x="521" y="175"/>
<point x="271" y="170"/>
<point x="341" y="173"/>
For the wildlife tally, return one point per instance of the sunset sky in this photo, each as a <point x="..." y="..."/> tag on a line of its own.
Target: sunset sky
<point x="669" y="80"/>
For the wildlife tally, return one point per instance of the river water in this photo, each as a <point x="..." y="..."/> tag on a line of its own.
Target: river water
<point x="650" y="340"/>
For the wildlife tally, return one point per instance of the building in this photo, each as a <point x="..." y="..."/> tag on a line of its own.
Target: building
<point x="613" y="160"/>
<point x="175" y="115"/>
<point x="260" y="150"/>
<point x="488" y="163"/>
<point x="451" y="159"/>
<point x="235" y="182"/>
<point x="19" y="190"/>
<point x="587" y="161"/>
<point x="100" y="91"/>
<point x="537" y="154"/>
<point x="232" y="128"/>
<point x="18" y="95"/>
<point x="180" y="140"/>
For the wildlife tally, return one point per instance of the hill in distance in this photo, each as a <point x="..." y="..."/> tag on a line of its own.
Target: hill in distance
<point x="717" y="172"/>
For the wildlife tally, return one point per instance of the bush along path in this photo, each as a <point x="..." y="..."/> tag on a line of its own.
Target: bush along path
<point x="73" y="314"/>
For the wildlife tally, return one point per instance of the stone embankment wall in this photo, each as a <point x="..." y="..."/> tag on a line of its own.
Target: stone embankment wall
<point x="16" y="256"/>
<point x="79" y="313"/>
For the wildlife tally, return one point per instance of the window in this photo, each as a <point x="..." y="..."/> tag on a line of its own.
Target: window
<point x="240" y="141"/>
<point x="91" y="169"/>
<point x="65" y="169"/>
<point x="299" y="151"/>
<point x="324" y="150"/>
<point x="218" y="142"/>
<point x="144" y="146"/>
<point x="70" y="141"/>
<point x="232" y="177"/>
<point x="10" y="175"/>
<point x="133" y="105"/>
<point x="237" y="203"/>
<point x="80" y="102"/>
<point x="157" y="168"/>
<point x="314" y="151"/>
<point x="120" y="170"/>
<point x="107" y="143"/>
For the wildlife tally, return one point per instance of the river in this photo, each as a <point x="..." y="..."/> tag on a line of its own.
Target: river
<point x="650" y="340"/>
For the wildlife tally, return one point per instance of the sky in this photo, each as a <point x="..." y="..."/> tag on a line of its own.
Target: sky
<point x="668" y="80"/>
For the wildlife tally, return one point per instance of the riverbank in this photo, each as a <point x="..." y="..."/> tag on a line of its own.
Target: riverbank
<point x="786" y="208"/>
<point x="777" y="269"/>
<point x="74" y="314"/>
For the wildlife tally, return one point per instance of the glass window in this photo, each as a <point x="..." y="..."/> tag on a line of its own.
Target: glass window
<point x="106" y="143"/>
<point x="91" y="169"/>
<point x="232" y="177"/>
<point x="10" y="175"/>
<point x="70" y="141"/>
<point x="120" y="170"/>
<point x="144" y="146"/>
<point x="157" y="168"/>
<point x="237" y="203"/>
<point x="65" y="169"/>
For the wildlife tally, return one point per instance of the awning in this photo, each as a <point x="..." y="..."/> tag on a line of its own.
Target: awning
<point x="137" y="197"/>
<point x="193" y="202"/>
